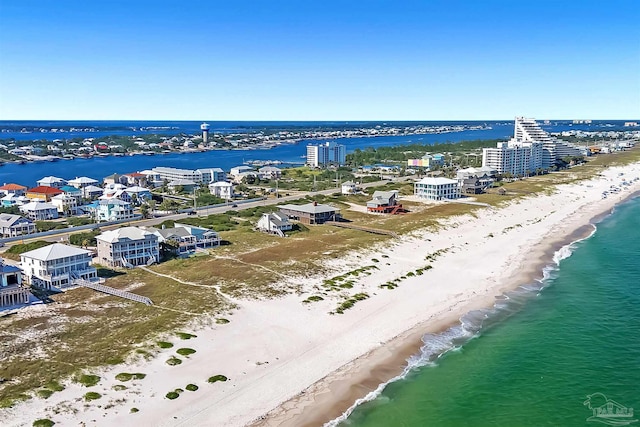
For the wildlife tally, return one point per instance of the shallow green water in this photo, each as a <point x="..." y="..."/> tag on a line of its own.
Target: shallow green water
<point x="538" y="357"/>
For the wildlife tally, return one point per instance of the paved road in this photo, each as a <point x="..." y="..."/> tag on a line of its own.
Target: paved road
<point x="64" y="234"/>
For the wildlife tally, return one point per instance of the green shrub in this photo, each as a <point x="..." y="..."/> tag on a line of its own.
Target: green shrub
<point x="185" y="351"/>
<point x="119" y="387"/>
<point x="43" y="422"/>
<point x="191" y="387"/>
<point x="185" y="335"/>
<point x="134" y="410"/>
<point x="222" y="321"/>
<point x="174" y="361"/>
<point x="172" y="395"/>
<point x="164" y="344"/>
<point x="217" y="378"/>
<point x="123" y="376"/>
<point x="87" y="380"/>
<point x="44" y="393"/>
<point x="54" y="385"/>
<point x="92" y="395"/>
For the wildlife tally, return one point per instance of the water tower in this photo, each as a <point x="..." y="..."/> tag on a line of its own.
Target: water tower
<point x="205" y="132"/>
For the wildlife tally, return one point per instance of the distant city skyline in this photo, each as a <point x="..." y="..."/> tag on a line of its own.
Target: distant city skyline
<point x="315" y="61"/>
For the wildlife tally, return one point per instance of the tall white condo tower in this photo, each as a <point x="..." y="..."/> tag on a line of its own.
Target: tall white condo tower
<point x="205" y="132"/>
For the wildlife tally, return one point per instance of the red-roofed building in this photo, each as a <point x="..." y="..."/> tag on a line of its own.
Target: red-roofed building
<point x="135" y="179"/>
<point x="43" y="193"/>
<point x="15" y="189"/>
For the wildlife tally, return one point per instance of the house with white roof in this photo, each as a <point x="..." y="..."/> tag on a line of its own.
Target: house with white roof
<point x="237" y="170"/>
<point x="113" y="210"/>
<point x="12" y="291"/>
<point x="51" y="181"/>
<point x="57" y="266"/>
<point x="269" y="172"/>
<point x="128" y="247"/>
<point x="13" y="200"/>
<point x="349" y="187"/>
<point x="437" y="188"/>
<point x="82" y="182"/>
<point x="65" y="203"/>
<point x="92" y="192"/>
<point x="39" y="211"/>
<point x="274" y="223"/>
<point x="186" y="238"/>
<point x="222" y="189"/>
<point x="238" y="179"/>
<point x="15" y="225"/>
<point x="138" y="194"/>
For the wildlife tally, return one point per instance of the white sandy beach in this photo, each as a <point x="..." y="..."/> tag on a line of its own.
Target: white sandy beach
<point x="277" y="350"/>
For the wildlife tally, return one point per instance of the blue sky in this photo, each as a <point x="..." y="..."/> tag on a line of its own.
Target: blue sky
<point x="319" y="60"/>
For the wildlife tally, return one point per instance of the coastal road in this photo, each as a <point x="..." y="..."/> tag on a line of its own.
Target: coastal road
<point x="64" y="234"/>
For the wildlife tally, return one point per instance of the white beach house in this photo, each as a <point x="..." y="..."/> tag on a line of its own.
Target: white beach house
<point x="128" y="247"/>
<point x="15" y="225"/>
<point x="437" y="188"/>
<point x="57" y="266"/>
<point x="222" y="189"/>
<point x="274" y="223"/>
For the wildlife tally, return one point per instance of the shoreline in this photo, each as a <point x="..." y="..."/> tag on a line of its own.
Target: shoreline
<point x="306" y="368"/>
<point x="342" y="391"/>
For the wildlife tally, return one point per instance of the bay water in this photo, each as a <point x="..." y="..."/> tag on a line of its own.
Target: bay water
<point x="537" y="356"/>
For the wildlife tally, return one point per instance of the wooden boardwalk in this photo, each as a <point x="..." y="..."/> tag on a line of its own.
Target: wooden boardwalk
<point x="113" y="291"/>
<point x="361" y="228"/>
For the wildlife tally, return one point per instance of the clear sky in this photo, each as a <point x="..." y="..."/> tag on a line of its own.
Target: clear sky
<point x="319" y="59"/>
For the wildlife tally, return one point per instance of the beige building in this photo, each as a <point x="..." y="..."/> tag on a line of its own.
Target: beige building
<point x="127" y="247"/>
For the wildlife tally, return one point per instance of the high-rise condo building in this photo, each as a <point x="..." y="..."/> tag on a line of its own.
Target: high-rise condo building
<point x="325" y="154"/>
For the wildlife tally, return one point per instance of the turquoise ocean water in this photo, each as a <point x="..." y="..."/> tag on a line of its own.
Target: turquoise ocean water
<point x="534" y="358"/>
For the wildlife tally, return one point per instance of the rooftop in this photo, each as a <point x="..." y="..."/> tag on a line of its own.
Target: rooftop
<point x="43" y="189"/>
<point x="129" y="233"/>
<point x="54" y="251"/>
<point x="311" y="208"/>
<point x="13" y="187"/>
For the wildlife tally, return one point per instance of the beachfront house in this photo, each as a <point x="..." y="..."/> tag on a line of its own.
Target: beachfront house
<point x="15" y="225"/>
<point x="57" y="266"/>
<point x="311" y="213"/>
<point x="128" y="247"/>
<point x="437" y="188"/>
<point x="15" y="189"/>
<point x="12" y="291"/>
<point x="39" y="211"/>
<point x="42" y="193"/>
<point x="427" y="161"/>
<point x="184" y="239"/>
<point x="222" y="189"/>
<point x="384" y="202"/>
<point x="274" y="223"/>
<point x="113" y="210"/>
<point x="51" y="181"/>
<point x="349" y="187"/>
<point x="245" y="177"/>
